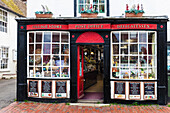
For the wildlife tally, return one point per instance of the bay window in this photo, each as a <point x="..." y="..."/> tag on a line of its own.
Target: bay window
<point x="133" y="55"/>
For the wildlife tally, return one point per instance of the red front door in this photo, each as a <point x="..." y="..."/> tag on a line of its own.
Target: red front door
<point x="80" y="74"/>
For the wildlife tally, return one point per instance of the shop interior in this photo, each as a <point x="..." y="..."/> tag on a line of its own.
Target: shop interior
<point x="93" y="72"/>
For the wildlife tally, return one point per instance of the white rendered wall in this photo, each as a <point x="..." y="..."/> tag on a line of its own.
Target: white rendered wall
<point x="9" y="39"/>
<point x="65" y="8"/>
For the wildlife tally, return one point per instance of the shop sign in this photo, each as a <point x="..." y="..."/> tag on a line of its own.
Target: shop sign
<point x="46" y="89"/>
<point x="32" y="88"/>
<point x="119" y="92"/>
<point x="134" y="90"/>
<point x="89" y="26"/>
<point x="47" y="26"/>
<point x="134" y="26"/>
<point x="149" y="91"/>
<point x="61" y="89"/>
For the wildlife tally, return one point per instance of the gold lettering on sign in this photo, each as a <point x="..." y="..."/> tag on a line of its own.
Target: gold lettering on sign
<point x="136" y="26"/>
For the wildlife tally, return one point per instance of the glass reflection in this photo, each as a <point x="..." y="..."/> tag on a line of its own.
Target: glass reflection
<point x="142" y="37"/>
<point x="143" y="49"/>
<point x="133" y="37"/>
<point x="124" y="37"/>
<point x="115" y="37"/>
<point x="47" y="36"/>
<point x="115" y="48"/>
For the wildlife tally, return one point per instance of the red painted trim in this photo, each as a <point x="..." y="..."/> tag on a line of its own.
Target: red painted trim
<point x="89" y="26"/>
<point x="78" y="68"/>
<point x="47" y="26"/>
<point x="134" y="26"/>
<point x="90" y="37"/>
<point x="82" y="70"/>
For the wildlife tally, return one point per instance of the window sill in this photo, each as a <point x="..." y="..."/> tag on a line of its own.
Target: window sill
<point x="4" y="70"/>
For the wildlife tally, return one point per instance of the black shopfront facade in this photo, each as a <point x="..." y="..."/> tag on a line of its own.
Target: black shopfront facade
<point x="134" y="49"/>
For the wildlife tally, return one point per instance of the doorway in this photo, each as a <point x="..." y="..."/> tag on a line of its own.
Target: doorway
<point x="90" y="72"/>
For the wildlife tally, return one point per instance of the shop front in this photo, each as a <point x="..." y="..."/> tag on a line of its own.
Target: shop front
<point x="103" y="59"/>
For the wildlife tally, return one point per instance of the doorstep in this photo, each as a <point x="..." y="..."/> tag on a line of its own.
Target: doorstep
<point x="89" y="104"/>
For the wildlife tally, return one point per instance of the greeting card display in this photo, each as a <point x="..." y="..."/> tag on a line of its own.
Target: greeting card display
<point x="61" y="89"/>
<point x="119" y="90"/>
<point x="134" y="91"/>
<point x="46" y="89"/>
<point x="33" y="89"/>
<point x="149" y="91"/>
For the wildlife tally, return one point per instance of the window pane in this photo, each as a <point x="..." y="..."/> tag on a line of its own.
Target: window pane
<point x="101" y="1"/>
<point x="46" y="60"/>
<point x="101" y="9"/>
<point x="87" y="1"/>
<point x="151" y="37"/>
<point x="31" y="37"/>
<point x="133" y="61"/>
<point x="143" y="49"/>
<point x="115" y="48"/>
<point x="151" y="61"/>
<point x="134" y="49"/>
<point x="115" y="61"/>
<point x="38" y="71"/>
<point x="56" y="60"/>
<point x="64" y="72"/>
<point x="47" y="37"/>
<point x="65" y="60"/>
<point x="124" y="73"/>
<point x="133" y="37"/>
<point x="115" y="37"/>
<point x="56" y="72"/>
<point x="134" y="73"/>
<point x="115" y="72"/>
<point x="81" y="1"/>
<point x="81" y="7"/>
<point x="38" y="60"/>
<point x="55" y="49"/>
<point x="47" y="71"/>
<point x="124" y="37"/>
<point x="38" y="37"/>
<point x="38" y="49"/>
<point x="143" y="61"/>
<point x="56" y="37"/>
<point x="124" y="60"/>
<point x="151" y="49"/>
<point x="47" y="48"/>
<point x="64" y="38"/>
<point x="31" y="60"/>
<point x="124" y="49"/>
<point x="31" y="48"/>
<point x="64" y="49"/>
<point x="31" y="72"/>
<point x="142" y="37"/>
<point x="151" y="73"/>
<point x="143" y="73"/>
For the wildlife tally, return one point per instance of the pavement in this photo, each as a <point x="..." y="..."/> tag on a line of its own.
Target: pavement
<point x="33" y="107"/>
<point x="7" y="92"/>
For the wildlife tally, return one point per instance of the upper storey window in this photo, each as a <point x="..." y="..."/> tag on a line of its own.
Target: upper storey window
<point x="3" y="21"/>
<point x="99" y="5"/>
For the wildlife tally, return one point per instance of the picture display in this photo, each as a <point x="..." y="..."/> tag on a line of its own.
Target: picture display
<point x="134" y="90"/>
<point x="119" y="91"/>
<point x="46" y="89"/>
<point x="48" y="54"/>
<point x="61" y="89"/>
<point x="149" y="90"/>
<point x="33" y="89"/>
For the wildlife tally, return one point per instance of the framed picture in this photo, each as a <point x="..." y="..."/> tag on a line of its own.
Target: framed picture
<point x="33" y="90"/>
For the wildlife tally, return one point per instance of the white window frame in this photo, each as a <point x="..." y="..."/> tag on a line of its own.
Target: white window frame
<point x="91" y="2"/>
<point x="4" y="69"/>
<point x="111" y="54"/>
<point x="5" y="22"/>
<point x="28" y="75"/>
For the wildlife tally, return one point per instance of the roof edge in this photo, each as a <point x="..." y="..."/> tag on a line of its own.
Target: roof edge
<point x="11" y="11"/>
